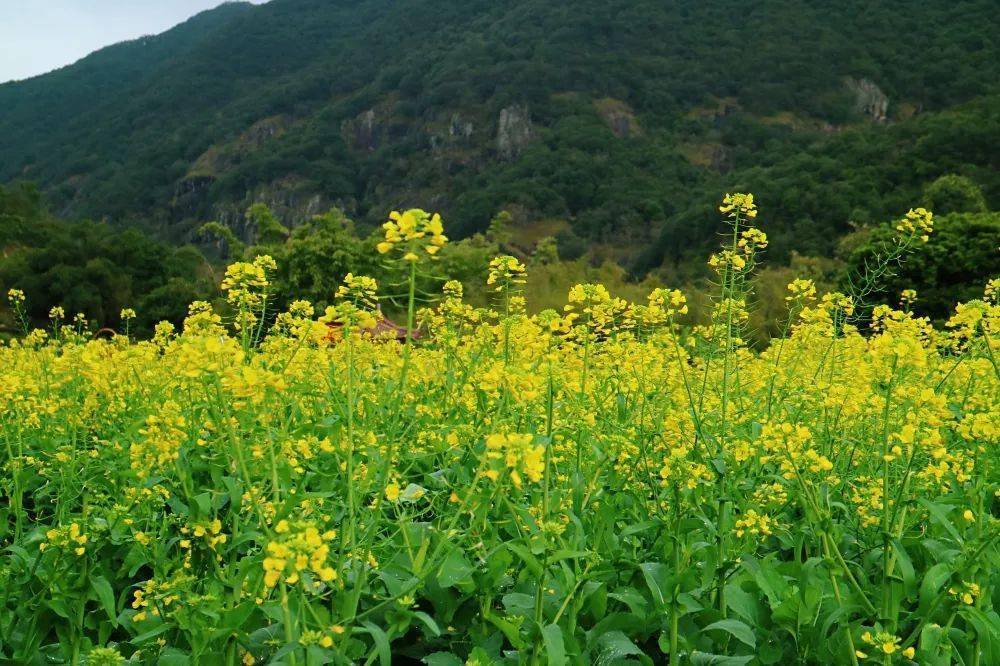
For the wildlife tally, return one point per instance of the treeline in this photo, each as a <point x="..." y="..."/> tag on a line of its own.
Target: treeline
<point x="97" y="270"/>
<point x="91" y="268"/>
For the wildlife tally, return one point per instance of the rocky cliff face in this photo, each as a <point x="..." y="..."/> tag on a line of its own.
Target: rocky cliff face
<point x="460" y="128"/>
<point x="619" y="117"/>
<point x="514" y="131"/>
<point x="361" y="133"/>
<point x="869" y="99"/>
<point x="288" y="198"/>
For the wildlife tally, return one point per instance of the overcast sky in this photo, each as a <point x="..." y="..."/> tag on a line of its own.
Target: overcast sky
<point x="37" y="36"/>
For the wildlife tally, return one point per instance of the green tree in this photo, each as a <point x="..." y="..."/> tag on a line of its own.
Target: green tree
<point x="952" y="193"/>
<point x="952" y="267"/>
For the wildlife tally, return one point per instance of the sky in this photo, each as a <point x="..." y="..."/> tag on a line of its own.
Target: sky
<point x="37" y="36"/>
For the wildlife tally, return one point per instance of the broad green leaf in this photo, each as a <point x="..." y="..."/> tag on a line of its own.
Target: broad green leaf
<point x="987" y="626"/>
<point x="381" y="642"/>
<point x="656" y="575"/>
<point x="152" y="633"/>
<point x="555" y="650"/>
<point x="534" y="566"/>
<point x="746" y="605"/>
<point x="940" y="516"/>
<point x="631" y="598"/>
<point x="935" y="577"/>
<point x="170" y="657"/>
<point x="234" y="618"/>
<point x="615" y="645"/>
<point x="442" y="659"/>
<point x="106" y="596"/>
<point x="706" y="659"/>
<point x="455" y="570"/>
<point x="738" y="629"/>
<point x="429" y="622"/>
<point x="906" y="571"/>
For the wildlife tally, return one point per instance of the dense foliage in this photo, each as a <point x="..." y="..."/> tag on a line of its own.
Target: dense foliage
<point x="90" y="268"/>
<point x="637" y="112"/>
<point x="604" y="484"/>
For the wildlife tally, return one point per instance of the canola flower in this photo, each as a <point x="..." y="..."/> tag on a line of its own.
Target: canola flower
<point x="612" y="479"/>
<point x="413" y="230"/>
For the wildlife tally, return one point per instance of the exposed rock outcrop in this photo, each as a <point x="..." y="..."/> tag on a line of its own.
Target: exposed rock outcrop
<point x="190" y="196"/>
<point x="221" y="157"/>
<point x="619" y="117"/>
<point x="514" y="131"/>
<point x="288" y="198"/>
<point x="362" y="132"/>
<point x="869" y="99"/>
<point x="460" y="129"/>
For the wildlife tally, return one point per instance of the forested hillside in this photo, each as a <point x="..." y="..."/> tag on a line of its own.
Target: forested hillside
<point x="617" y="122"/>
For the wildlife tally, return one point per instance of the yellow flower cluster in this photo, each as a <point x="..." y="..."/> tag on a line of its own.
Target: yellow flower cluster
<point x="739" y="205"/>
<point x="516" y="454"/>
<point x="211" y="532"/>
<point x="801" y="289"/>
<point x="918" y="222"/>
<point x="966" y="593"/>
<point x="754" y="524"/>
<point x="678" y="468"/>
<point x="244" y="285"/>
<point x="298" y="549"/>
<point x="751" y="240"/>
<point x="726" y="260"/>
<point x="790" y="446"/>
<point x="505" y="271"/>
<point x="668" y="302"/>
<point x="161" y="598"/>
<point x="69" y="537"/>
<point x="358" y="304"/>
<point x="884" y="643"/>
<point x="597" y="312"/>
<point x="162" y="438"/>
<point x="413" y="230"/>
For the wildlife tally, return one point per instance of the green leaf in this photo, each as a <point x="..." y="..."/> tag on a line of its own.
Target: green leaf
<point x="568" y="555"/>
<point x="940" y="516"/>
<point x="905" y="568"/>
<point x="106" y="596"/>
<point x="233" y="618"/>
<point x="636" y="528"/>
<point x="935" y="577"/>
<point x="442" y="659"/>
<point x="455" y="570"/>
<point x="987" y="628"/>
<point x="152" y="633"/>
<point x="510" y="629"/>
<point x="656" y="576"/>
<point x="530" y="561"/>
<point x="412" y="493"/>
<point x="737" y="629"/>
<point x="429" y="622"/>
<point x="771" y="583"/>
<point x="518" y="604"/>
<point x="706" y="659"/>
<point x="555" y="650"/>
<point x="381" y="642"/>
<point x="746" y="605"/>
<point x="631" y="598"/>
<point x="172" y="657"/>
<point x="615" y="645"/>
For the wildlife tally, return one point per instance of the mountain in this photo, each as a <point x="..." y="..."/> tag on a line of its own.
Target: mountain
<point x="616" y="122"/>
